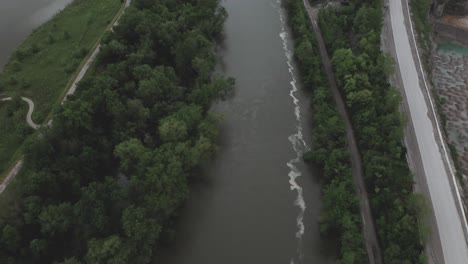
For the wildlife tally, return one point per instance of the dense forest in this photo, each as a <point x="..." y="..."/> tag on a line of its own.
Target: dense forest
<point x="103" y="184"/>
<point x="352" y="34"/>
<point x="340" y="216"/>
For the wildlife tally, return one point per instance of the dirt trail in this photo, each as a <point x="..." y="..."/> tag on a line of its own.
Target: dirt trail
<point x="370" y="235"/>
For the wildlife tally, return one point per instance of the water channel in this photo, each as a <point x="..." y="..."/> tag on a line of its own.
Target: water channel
<point x="18" y="18"/>
<point x="257" y="203"/>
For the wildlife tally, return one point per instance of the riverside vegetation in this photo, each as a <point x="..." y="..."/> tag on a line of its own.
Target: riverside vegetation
<point x="340" y="215"/>
<point x="103" y="184"/>
<point x="43" y="65"/>
<point x="420" y="10"/>
<point x="352" y="34"/>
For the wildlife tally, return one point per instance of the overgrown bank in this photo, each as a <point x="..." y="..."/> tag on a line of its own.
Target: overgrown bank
<point x="340" y="214"/>
<point x="420" y="10"/>
<point x="43" y="65"/>
<point x="103" y="184"/>
<point x="352" y="34"/>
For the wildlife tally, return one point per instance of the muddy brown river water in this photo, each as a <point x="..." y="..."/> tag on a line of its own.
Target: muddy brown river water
<point x="257" y="203"/>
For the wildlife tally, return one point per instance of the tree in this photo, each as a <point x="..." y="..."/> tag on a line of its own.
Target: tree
<point x="159" y="86"/>
<point x="70" y="261"/>
<point x="360" y="98"/>
<point x="344" y="62"/>
<point x="66" y="35"/>
<point x="201" y="151"/>
<point x="172" y="129"/>
<point x="141" y="231"/>
<point x="10" y="238"/>
<point x="38" y="248"/>
<point x="75" y="116"/>
<point x="56" y="219"/>
<point x="112" y="51"/>
<point x="100" y="203"/>
<point x="367" y="19"/>
<point x="193" y="45"/>
<point x="205" y="94"/>
<point x="137" y="115"/>
<point x="129" y="152"/>
<point x="110" y="250"/>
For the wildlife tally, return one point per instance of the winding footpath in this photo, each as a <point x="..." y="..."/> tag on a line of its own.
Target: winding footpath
<point x="85" y="67"/>
<point x="369" y="231"/>
<point x="30" y="110"/>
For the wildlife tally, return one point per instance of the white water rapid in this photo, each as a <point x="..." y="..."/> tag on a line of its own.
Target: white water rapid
<point x="297" y="140"/>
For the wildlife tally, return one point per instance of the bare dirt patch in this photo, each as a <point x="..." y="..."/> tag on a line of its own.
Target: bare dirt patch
<point x="456" y="21"/>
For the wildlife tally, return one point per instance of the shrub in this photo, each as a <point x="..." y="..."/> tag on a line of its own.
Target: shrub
<point x="16" y="66"/>
<point x="66" y="35"/>
<point x="50" y="39"/>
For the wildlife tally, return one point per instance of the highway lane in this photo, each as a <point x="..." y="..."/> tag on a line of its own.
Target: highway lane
<point x="445" y="199"/>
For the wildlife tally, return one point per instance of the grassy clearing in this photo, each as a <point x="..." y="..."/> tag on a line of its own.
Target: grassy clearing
<point x="43" y="65"/>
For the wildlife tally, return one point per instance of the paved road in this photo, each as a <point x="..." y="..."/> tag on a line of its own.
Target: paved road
<point x="443" y="192"/>
<point x="82" y="73"/>
<point x="30" y="110"/>
<point x="369" y="231"/>
<point x="11" y="174"/>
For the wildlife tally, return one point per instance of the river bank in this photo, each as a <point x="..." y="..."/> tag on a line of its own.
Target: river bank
<point x="257" y="202"/>
<point x="151" y="97"/>
<point x="42" y="66"/>
<point x="333" y="145"/>
<point x="19" y="18"/>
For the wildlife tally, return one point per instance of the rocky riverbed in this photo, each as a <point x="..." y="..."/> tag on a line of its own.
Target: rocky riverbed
<point x="450" y="76"/>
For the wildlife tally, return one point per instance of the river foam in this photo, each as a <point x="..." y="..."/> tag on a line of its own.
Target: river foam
<point x="297" y="140"/>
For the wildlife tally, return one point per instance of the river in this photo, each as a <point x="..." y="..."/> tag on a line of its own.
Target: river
<point x="256" y="203"/>
<point x="18" y="18"/>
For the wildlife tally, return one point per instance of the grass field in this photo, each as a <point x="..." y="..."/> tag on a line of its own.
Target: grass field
<point x="43" y="65"/>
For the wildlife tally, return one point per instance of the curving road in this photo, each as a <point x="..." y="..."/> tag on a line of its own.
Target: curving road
<point x="30" y="111"/>
<point x="369" y="231"/>
<point x="427" y="153"/>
